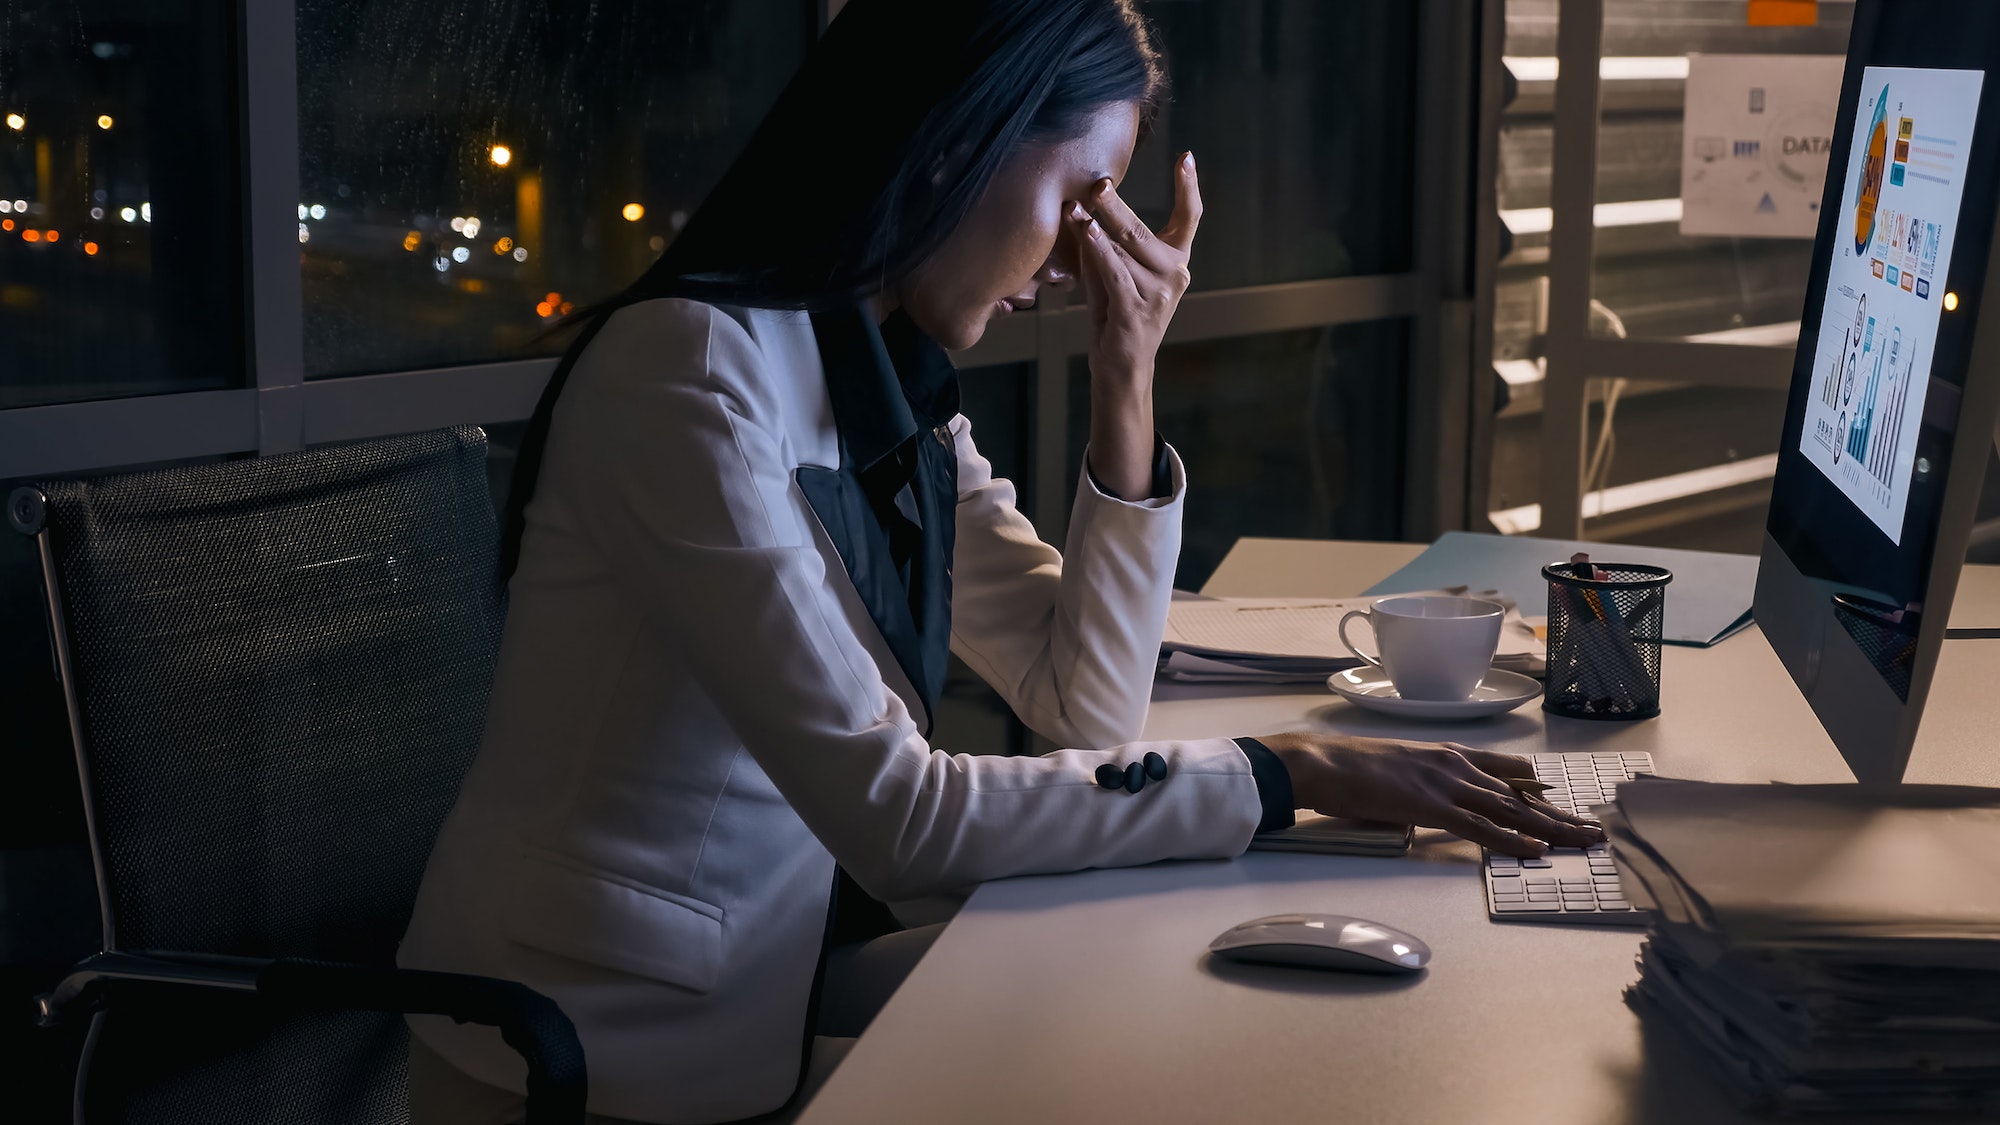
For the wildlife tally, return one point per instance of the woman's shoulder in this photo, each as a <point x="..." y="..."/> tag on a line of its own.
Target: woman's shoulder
<point x="745" y="353"/>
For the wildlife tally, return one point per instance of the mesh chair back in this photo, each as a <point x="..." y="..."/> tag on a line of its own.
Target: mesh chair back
<point x="282" y="666"/>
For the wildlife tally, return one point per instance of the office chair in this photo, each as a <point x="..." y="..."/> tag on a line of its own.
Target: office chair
<point x="276" y="672"/>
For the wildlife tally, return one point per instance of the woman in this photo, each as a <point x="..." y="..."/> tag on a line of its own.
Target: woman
<point x="754" y="526"/>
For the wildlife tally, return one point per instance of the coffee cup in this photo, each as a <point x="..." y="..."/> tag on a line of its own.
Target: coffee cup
<point x="1431" y="647"/>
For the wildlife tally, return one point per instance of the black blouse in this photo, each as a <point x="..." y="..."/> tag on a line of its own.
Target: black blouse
<point x="890" y="507"/>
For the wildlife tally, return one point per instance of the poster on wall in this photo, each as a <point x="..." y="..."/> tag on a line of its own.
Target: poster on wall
<point x="1756" y="133"/>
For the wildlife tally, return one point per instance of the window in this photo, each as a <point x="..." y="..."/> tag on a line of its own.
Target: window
<point x="119" y="204"/>
<point x="471" y="174"/>
<point x="1297" y="111"/>
<point x="1294" y="434"/>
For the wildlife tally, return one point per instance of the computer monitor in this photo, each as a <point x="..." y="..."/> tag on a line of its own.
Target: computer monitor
<point x="1896" y="380"/>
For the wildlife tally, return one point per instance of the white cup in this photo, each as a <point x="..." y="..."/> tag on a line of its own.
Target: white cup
<point x="1436" y="648"/>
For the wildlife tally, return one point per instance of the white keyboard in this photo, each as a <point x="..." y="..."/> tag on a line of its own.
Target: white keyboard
<point x="1575" y="886"/>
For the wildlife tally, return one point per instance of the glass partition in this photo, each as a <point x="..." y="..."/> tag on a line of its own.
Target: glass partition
<point x="1663" y="460"/>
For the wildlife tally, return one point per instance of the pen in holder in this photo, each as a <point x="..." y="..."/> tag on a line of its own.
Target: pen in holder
<point x="1605" y="622"/>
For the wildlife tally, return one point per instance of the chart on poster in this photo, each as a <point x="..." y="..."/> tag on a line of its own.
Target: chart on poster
<point x="1885" y="289"/>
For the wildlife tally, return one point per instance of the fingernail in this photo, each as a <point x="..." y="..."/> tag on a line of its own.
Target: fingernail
<point x="1077" y="213"/>
<point x="1187" y="160"/>
<point x="1095" y="230"/>
<point x="1104" y="185"/>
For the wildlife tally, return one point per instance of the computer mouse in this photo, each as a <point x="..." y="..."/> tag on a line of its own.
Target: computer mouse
<point x="1323" y="941"/>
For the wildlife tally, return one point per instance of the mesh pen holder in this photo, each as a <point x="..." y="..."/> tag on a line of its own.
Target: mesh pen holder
<point x="1604" y="640"/>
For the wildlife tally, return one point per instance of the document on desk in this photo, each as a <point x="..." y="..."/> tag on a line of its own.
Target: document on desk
<point x="1293" y="640"/>
<point x="1263" y="627"/>
<point x="1708" y="601"/>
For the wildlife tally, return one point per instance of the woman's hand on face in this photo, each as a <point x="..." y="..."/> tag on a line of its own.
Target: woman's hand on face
<point x="1132" y="277"/>
<point x="1457" y="788"/>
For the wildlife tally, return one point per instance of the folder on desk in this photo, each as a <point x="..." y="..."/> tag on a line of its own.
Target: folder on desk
<point x="1708" y="602"/>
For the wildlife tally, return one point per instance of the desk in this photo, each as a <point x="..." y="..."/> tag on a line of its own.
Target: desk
<point x="1088" y="997"/>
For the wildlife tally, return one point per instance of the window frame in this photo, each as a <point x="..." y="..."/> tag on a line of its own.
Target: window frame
<point x="278" y="410"/>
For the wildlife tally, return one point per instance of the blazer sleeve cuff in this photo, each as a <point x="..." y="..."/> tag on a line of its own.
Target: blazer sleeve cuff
<point x="1274" y="786"/>
<point x="1162" y="486"/>
<point x="1168" y="486"/>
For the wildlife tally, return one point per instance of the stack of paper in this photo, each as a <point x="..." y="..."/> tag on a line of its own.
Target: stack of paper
<point x="1297" y="640"/>
<point x="1827" y="947"/>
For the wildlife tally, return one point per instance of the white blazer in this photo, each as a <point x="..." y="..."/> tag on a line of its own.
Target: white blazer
<point x="694" y="717"/>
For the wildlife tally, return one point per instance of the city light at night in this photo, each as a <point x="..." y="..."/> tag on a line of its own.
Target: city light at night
<point x="633" y="212"/>
<point x="412" y="240"/>
<point x="127" y="214"/>
<point x="104" y="121"/>
<point x="16" y="122"/>
<point x="503" y="244"/>
<point x="500" y="155"/>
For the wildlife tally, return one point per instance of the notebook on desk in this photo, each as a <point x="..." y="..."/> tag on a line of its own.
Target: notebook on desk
<point x="1334" y="835"/>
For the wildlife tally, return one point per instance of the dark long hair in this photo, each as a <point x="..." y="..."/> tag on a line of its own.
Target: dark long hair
<point x="876" y="150"/>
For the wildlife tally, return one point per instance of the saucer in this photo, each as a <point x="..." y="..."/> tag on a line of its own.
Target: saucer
<point x="1500" y="692"/>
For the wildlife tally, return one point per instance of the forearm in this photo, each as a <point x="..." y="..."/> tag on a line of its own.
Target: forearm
<point x="1121" y="430"/>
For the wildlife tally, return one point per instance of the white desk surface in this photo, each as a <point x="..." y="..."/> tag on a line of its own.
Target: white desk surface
<point x="1090" y="997"/>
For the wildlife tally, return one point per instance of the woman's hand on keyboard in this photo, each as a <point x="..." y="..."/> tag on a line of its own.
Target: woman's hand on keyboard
<point x="1437" y="785"/>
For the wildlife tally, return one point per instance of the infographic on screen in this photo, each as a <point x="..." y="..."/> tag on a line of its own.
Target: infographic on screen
<point x="1885" y="289"/>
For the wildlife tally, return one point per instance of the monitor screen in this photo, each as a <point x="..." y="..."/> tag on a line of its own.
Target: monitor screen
<point x="1894" y="233"/>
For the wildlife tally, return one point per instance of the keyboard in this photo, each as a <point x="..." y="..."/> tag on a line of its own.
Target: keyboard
<point x="1573" y="886"/>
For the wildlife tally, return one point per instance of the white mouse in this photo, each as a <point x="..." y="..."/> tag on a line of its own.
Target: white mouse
<point x="1323" y="941"/>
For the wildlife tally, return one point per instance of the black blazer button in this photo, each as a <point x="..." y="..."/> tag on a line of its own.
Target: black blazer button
<point x="1110" y="776"/>
<point x="1135" y="777"/>
<point x="1156" y="766"/>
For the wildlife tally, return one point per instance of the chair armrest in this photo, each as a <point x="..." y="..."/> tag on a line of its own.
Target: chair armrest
<point x="530" y="1023"/>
